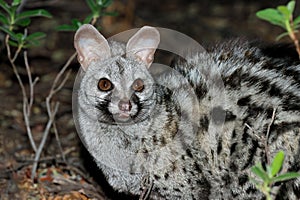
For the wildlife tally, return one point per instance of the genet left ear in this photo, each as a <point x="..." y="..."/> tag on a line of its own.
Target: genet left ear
<point x="143" y="45"/>
<point x="90" y="45"/>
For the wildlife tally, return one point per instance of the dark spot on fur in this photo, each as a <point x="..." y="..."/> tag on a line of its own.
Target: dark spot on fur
<point x="243" y="179"/>
<point x="174" y="166"/>
<point x="204" y="123"/>
<point x="244" y="101"/>
<point x="233" y="148"/>
<point x="163" y="141"/>
<point x="197" y="167"/>
<point x="156" y="177"/>
<point x="154" y="139"/>
<point x="166" y="176"/>
<point x="218" y="115"/>
<point x="189" y="153"/>
<point x="219" y="148"/>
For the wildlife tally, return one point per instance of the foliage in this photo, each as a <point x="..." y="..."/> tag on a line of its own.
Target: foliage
<point x="97" y="10"/>
<point x="270" y="176"/>
<point x="13" y="21"/>
<point x="283" y="16"/>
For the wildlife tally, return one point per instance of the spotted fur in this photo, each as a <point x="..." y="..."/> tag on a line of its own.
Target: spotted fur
<point x="198" y="126"/>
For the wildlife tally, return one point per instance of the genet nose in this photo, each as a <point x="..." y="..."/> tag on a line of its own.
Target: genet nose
<point x="125" y="105"/>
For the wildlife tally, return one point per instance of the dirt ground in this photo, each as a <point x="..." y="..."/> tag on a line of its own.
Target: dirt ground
<point x="76" y="176"/>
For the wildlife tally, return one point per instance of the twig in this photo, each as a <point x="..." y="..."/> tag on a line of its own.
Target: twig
<point x="147" y="186"/>
<point x="59" y="143"/>
<point x="54" y="88"/>
<point x="267" y="136"/>
<point x="45" y="135"/>
<point x="31" y="84"/>
<point x="23" y="90"/>
<point x="254" y="134"/>
<point x="52" y="112"/>
<point x="293" y="36"/>
<point x="47" y="158"/>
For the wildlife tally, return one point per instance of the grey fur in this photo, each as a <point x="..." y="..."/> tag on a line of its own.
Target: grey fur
<point x="197" y="129"/>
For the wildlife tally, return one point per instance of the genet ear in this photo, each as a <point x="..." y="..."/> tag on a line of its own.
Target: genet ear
<point x="90" y="45"/>
<point x="143" y="45"/>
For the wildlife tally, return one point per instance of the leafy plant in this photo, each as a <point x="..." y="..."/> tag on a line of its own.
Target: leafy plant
<point x="283" y="16"/>
<point x="13" y="22"/>
<point x="270" y="176"/>
<point x="97" y="10"/>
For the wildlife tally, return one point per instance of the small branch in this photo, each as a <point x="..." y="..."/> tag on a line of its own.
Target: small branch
<point x="51" y="113"/>
<point x="58" y="142"/>
<point x="23" y="90"/>
<point x="147" y="186"/>
<point x="47" y="158"/>
<point x="59" y="75"/>
<point x="17" y="53"/>
<point x="267" y="136"/>
<point x="44" y="138"/>
<point x="292" y="34"/>
<point x="59" y="87"/>
<point x="31" y="84"/>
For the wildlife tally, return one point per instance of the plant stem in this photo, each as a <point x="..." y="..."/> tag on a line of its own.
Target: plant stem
<point x="267" y="136"/>
<point x="26" y="104"/>
<point x="292" y="34"/>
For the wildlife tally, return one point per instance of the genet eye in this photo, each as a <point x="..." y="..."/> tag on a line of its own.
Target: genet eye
<point x="138" y="85"/>
<point x="105" y="85"/>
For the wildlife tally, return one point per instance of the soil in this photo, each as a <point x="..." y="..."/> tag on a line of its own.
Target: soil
<point x="76" y="176"/>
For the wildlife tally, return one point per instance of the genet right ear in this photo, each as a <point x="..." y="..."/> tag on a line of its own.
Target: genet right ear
<point x="90" y="45"/>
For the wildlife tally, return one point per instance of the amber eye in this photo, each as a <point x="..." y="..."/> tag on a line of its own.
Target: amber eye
<point x="105" y="85"/>
<point x="138" y="85"/>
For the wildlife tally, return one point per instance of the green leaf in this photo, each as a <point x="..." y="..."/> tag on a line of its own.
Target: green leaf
<point x="88" y="19"/>
<point x="291" y="6"/>
<point x="296" y="20"/>
<point x="66" y="27"/>
<point x="259" y="171"/>
<point x="76" y="23"/>
<point x="106" y="3"/>
<point x="277" y="163"/>
<point x="285" y="177"/>
<point x="32" y="43"/>
<point x="7" y="31"/>
<point x="254" y="181"/>
<point x="269" y="171"/>
<point x="3" y="19"/>
<point x="92" y="5"/>
<point x="271" y="15"/>
<point x="35" y="36"/>
<point x="296" y="27"/>
<point x="282" y="35"/>
<point x="19" y="37"/>
<point x="5" y="6"/>
<point x="23" y="22"/>
<point x="12" y="43"/>
<point x="33" y="13"/>
<point x="113" y="13"/>
<point x="284" y="11"/>
<point x="16" y="2"/>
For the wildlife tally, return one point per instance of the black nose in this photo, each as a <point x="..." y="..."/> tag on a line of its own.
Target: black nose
<point x="124" y="105"/>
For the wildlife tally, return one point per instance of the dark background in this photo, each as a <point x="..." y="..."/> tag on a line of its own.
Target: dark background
<point x="207" y="21"/>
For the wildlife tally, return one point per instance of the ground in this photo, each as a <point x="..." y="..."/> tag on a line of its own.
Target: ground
<point x="76" y="176"/>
